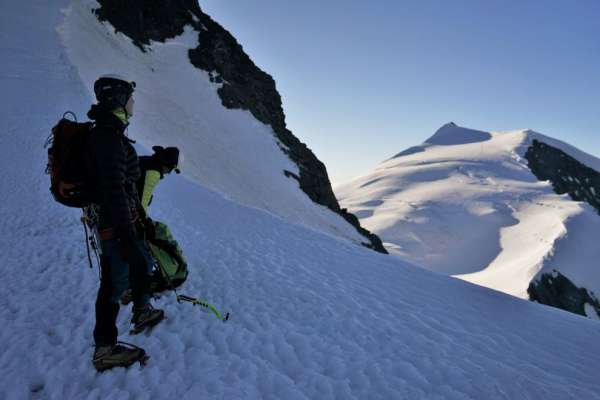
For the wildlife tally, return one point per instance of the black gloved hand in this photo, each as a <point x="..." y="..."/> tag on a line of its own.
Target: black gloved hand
<point x="168" y="158"/>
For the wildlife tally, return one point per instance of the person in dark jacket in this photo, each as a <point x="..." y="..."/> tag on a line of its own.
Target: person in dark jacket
<point x="172" y="269"/>
<point x="153" y="168"/>
<point x="125" y="259"/>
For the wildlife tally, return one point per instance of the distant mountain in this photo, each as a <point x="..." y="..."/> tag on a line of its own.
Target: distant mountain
<point x="199" y="90"/>
<point x="514" y="211"/>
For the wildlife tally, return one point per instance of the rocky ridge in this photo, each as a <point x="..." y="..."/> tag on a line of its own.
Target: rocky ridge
<point x="581" y="183"/>
<point x="243" y="84"/>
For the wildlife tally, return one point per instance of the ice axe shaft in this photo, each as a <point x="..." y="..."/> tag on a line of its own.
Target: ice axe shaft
<point x="205" y="304"/>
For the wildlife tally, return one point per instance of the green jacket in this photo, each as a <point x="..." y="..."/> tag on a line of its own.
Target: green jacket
<point x="150" y="176"/>
<point x="163" y="246"/>
<point x="150" y="181"/>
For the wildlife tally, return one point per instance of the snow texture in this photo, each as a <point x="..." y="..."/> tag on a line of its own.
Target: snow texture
<point x="466" y="204"/>
<point x="313" y="316"/>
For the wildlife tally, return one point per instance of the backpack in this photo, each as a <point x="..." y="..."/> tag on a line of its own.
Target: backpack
<point x="67" y="162"/>
<point x="172" y="268"/>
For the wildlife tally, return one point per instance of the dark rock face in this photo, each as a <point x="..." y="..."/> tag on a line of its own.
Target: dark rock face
<point x="243" y="84"/>
<point x="558" y="291"/>
<point x="566" y="173"/>
<point x="582" y="183"/>
<point x="146" y="20"/>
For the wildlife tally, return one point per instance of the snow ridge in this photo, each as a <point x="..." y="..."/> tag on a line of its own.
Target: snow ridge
<point x="465" y="189"/>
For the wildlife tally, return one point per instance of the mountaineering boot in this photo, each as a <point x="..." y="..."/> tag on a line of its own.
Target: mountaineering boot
<point x="145" y="317"/>
<point x="117" y="355"/>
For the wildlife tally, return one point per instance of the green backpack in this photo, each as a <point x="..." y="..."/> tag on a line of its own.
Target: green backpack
<point x="173" y="270"/>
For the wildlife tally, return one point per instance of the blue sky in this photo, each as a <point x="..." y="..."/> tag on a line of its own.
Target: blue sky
<point x="363" y="80"/>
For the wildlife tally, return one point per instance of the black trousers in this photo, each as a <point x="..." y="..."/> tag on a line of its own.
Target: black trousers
<point x="106" y="332"/>
<point x="116" y="276"/>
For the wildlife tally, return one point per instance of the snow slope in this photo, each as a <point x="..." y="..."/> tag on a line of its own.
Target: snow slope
<point x="465" y="203"/>
<point x="313" y="317"/>
<point x="177" y="105"/>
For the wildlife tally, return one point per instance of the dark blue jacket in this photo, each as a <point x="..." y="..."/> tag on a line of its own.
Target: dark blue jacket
<point x="114" y="169"/>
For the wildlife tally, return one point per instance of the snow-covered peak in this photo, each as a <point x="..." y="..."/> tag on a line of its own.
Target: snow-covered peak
<point x="466" y="203"/>
<point x="452" y="134"/>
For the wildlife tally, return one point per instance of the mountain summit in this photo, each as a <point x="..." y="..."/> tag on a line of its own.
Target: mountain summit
<point x="452" y="134"/>
<point x="505" y="210"/>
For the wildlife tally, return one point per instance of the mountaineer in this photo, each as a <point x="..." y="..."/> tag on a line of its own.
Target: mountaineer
<point x="125" y="259"/>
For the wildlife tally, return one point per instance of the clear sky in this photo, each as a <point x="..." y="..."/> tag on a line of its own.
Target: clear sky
<point x="363" y="80"/>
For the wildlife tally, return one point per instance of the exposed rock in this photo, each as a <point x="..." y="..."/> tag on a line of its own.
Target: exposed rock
<point x="146" y="20"/>
<point x="582" y="183"/>
<point x="244" y="85"/>
<point x="566" y="174"/>
<point x="556" y="290"/>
